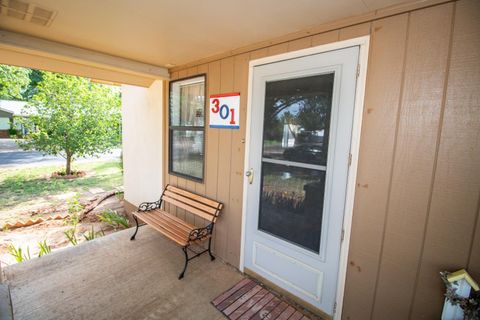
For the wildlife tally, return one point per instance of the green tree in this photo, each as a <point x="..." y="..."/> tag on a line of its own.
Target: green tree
<point x="36" y="76"/>
<point x="72" y="117"/>
<point x="13" y="82"/>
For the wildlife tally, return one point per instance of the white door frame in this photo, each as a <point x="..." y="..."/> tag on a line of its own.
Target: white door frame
<point x="363" y="42"/>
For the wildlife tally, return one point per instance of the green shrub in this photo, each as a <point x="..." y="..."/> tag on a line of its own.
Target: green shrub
<point x="74" y="208"/>
<point x="114" y="219"/>
<point x="12" y="132"/>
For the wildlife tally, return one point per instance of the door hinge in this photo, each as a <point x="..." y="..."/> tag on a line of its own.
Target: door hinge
<point x="349" y="159"/>
<point x="334" y="307"/>
<point x="358" y="70"/>
<point x="343" y="235"/>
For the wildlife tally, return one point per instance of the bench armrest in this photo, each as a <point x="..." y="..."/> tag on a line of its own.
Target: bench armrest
<point x="200" y="233"/>
<point x="147" y="206"/>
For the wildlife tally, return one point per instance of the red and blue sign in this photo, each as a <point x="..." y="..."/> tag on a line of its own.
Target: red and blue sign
<point x="225" y="110"/>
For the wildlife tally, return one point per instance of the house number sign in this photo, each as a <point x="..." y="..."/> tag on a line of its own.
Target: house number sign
<point x="225" y="110"/>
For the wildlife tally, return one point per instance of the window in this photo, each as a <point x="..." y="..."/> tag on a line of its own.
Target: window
<point x="187" y="127"/>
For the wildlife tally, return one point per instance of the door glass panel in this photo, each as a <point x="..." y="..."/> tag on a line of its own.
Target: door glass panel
<point x="297" y="119"/>
<point x="291" y="204"/>
<point x="294" y="162"/>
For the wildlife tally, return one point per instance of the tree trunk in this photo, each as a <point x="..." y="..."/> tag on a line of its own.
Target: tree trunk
<point x="68" y="169"/>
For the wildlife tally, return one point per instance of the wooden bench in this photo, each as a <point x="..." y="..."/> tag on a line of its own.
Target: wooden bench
<point x="176" y="229"/>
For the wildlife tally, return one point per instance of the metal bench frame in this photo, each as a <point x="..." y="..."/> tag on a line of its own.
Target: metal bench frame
<point x="196" y="235"/>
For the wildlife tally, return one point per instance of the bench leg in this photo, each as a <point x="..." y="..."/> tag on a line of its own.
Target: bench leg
<point x="186" y="263"/>
<point x="136" y="229"/>
<point x="209" y="249"/>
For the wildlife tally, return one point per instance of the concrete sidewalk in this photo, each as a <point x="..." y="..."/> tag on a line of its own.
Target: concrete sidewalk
<point x="115" y="278"/>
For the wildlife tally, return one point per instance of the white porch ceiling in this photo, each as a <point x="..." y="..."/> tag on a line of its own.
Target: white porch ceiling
<point x="174" y="32"/>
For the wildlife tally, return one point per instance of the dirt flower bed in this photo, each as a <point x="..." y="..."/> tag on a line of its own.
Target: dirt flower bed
<point x="73" y="175"/>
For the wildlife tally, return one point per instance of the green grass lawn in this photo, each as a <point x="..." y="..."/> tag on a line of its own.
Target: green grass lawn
<point x="21" y="185"/>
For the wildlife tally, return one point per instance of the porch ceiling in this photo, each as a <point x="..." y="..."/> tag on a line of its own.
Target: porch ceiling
<point x="173" y="32"/>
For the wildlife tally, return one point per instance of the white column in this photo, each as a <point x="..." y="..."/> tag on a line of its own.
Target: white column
<point x="142" y="119"/>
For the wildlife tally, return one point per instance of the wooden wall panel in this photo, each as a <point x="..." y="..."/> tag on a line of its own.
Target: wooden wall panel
<point x="224" y="163"/>
<point x="456" y="188"/>
<point x="382" y="99"/>
<point x="326" y="37"/>
<point x="420" y="110"/>
<point x="355" y="31"/>
<point x="237" y="160"/>
<point x="278" y="49"/>
<point x="418" y="189"/>
<point x="300" y="44"/>
<point x="211" y="142"/>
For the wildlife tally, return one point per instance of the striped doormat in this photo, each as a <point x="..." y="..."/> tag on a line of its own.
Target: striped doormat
<point x="249" y="300"/>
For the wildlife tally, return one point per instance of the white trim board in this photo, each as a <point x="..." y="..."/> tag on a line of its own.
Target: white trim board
<point x="363" y="43"/>
<point x="60" y="51"/>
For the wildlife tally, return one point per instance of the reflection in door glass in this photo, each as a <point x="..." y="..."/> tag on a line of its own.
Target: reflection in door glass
<point x="294" y="162"/>
<point x="297" y="119"/>
<point x="291" y="204"/>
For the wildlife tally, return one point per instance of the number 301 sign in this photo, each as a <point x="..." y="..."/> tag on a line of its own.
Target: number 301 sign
<point x="225" y="110"/>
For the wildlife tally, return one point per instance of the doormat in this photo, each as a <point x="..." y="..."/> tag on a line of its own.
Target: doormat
<point x="250" y="300"/>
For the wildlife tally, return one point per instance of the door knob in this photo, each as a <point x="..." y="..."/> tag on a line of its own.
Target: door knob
<point x="249" y="175"/>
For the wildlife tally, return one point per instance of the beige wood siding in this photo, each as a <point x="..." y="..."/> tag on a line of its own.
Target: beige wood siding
<point x="418" y="185"/>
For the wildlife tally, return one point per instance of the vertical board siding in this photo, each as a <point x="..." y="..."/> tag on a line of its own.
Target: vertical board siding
<point x="237" y="160"/>
<point x="425" y="69"/>
<point x="326" y="37"/>
<point x="454" y="204"/>
<point x="300" y="44"/>
<point x="382" y="98"/>
<point x="224" y="163"/>
<point x="211" y="146"/>
<point x="417" y="197"/>
<point x="355" y="31"/>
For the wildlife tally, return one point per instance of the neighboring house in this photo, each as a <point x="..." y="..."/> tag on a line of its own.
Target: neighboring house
<point x="9" y="109"/>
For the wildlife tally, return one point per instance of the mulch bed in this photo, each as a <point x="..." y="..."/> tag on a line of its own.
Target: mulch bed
<point x="250" y="300"/>
<point x="73" y="175"/>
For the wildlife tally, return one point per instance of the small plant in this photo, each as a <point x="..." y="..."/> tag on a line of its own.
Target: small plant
<point x="44" y="248"/>
<point x="74" y="208"/>
<point x="90" y="235"/>
<point x="119" y="196"/>
<point x="113" y="218"/>
<point x="18" y="254"/>
<point x="70" y="234"/>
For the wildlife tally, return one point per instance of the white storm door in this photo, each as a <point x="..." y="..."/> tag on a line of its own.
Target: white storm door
<point x="300" y="133"/>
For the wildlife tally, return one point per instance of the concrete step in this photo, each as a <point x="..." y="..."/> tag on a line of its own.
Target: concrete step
<point x="6" y="312"/>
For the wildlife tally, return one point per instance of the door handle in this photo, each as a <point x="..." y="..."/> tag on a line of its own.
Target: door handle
<point x="249" y="175"/>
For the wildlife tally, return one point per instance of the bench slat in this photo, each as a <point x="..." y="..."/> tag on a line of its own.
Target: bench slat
<point x="163" y="219"/>
<point x="191" y="202"/>
<point x="208" y="202"/>
<point x="189" y="208"/>
<point x="183" y="224"/>
<point x="162" y="227"/>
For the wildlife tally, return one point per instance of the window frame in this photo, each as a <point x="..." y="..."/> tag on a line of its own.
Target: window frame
<point x="171" y="129"/>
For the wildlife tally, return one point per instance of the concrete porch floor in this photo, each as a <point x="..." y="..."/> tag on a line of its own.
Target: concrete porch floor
<point x="115" y="278"/>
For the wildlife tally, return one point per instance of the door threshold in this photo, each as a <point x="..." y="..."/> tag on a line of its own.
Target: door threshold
<point x="313" y="311"/>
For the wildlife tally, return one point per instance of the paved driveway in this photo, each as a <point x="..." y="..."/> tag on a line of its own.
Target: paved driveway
<point x="12" y="156"/>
